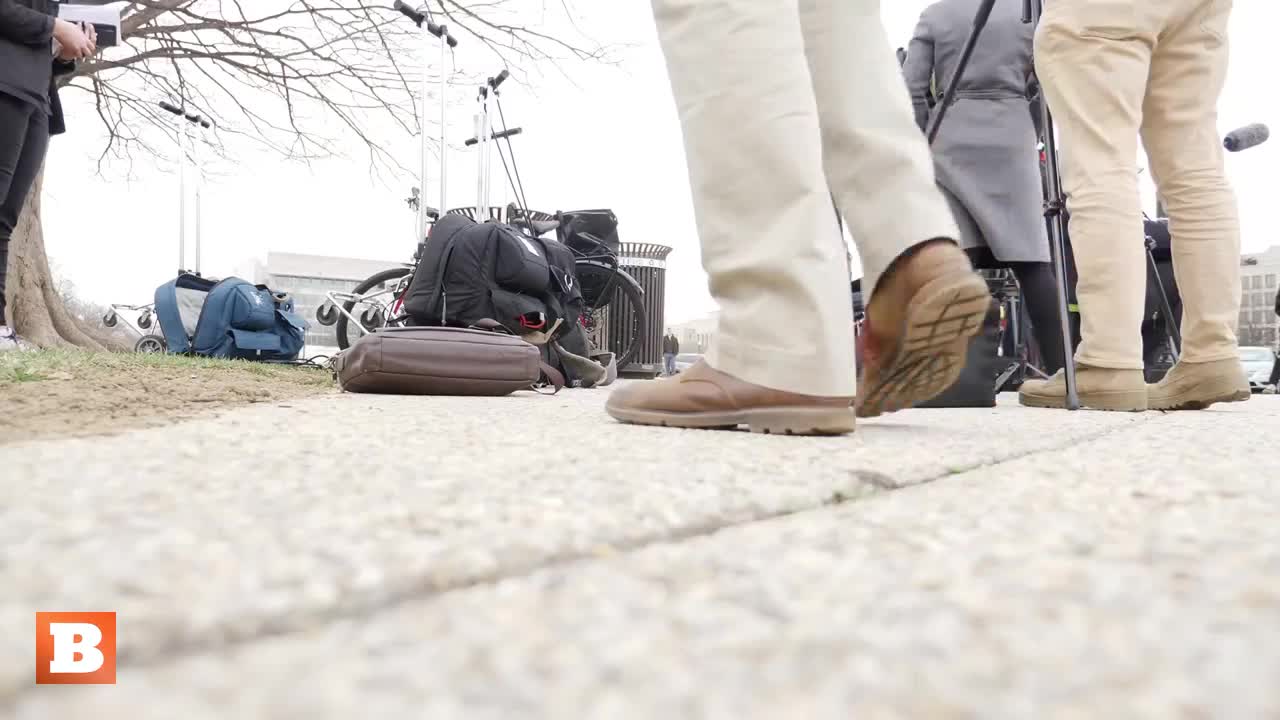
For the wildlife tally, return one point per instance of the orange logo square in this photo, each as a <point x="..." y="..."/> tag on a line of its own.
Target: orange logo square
<point x="75" y="648"/>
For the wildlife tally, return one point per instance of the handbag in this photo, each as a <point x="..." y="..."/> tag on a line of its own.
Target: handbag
<point x="480" y="361"/>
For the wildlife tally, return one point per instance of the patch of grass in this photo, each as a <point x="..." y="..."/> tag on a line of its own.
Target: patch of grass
<point x="24" y="367"/>
<point x="21" y="375"/>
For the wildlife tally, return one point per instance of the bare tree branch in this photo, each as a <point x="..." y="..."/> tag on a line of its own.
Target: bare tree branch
<point x="281" y="72"/>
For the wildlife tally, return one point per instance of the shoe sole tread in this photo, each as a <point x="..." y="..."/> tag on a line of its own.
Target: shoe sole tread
<point x="934" y="341"/>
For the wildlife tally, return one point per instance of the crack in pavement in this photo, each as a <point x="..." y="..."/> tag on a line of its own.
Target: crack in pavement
<point x="869" y="483"/>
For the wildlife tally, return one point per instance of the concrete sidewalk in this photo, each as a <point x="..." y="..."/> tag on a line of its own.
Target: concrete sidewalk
<point x="524" y="557"/>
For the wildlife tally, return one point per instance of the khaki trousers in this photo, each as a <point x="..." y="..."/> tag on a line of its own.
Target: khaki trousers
<point x="784" y="103"/>
<point x="1113" y="70"/>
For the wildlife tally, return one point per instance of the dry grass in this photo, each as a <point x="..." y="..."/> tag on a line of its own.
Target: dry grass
<point x="59" y="393"/>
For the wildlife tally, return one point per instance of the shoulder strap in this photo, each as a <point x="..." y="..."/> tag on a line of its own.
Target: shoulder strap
<point x="445" y="256"/>
<point x="550" y="376"/>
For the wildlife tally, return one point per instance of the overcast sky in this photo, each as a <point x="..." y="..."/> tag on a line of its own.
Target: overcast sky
<point x="609" y="138"/>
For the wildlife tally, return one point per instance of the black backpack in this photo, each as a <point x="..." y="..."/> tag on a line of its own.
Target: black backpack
<point x="470" y="271"/>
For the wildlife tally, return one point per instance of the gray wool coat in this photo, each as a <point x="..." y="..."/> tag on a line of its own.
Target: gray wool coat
<point x="985" y="154"/>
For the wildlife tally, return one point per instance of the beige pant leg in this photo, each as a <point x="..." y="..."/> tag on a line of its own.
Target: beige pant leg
<point x="1180" y="130"/>
<point x="770" y="245"/>
<point x="1092" y="61"/>
<point x="877" y="162"/>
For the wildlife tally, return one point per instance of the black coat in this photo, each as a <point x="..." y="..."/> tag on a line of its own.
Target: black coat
<point x="27" y="65"/>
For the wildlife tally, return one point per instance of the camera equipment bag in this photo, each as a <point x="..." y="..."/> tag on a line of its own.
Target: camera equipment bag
<point x="485" y="360"/>
<point x="976" y="386"/>
<point x="229" y="318"/>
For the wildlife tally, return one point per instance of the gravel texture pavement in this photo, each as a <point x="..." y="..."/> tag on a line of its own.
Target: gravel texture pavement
<point x="382" y="557"/>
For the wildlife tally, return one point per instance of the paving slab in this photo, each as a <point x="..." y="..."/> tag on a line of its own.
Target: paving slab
<point x="275" y="518"/>
<point x="1134" y="574"/>
<point x="285" y="519"/>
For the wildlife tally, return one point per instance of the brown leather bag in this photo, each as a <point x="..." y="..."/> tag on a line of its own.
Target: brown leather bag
<point x="442" y="361"/>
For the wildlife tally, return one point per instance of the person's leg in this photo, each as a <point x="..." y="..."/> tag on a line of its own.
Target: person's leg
<point x="783" y="358"/>
<point x="1180" y="130"/>
<point x="1092" y="61"/>
<point x="924" y="301"/>
<point x="1040" y="295"/>
<point x="24" y="135"/>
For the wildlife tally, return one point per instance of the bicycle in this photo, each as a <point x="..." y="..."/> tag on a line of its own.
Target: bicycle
<point x="614" y="316"/>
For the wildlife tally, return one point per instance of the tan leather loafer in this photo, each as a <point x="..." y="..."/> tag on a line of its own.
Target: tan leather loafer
<point x="703" y="397"/>
<point x="918" y="327"/>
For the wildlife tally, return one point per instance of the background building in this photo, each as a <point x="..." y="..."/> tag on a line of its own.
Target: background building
<point x="307" y="278"/>
<point x="695" y="335"/>
<point x="1260" y="275"/>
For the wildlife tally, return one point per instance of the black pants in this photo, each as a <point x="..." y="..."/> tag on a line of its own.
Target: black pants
<point x="24" y="137"/>
<point x="1040" y="295"/>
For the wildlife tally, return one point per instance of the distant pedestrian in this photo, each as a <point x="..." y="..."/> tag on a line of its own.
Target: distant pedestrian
<point x="670" y="349"/>
<point x="1274" y="381"/>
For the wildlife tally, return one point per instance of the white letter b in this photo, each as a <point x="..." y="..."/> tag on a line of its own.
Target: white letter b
<point x="70" y="639"/>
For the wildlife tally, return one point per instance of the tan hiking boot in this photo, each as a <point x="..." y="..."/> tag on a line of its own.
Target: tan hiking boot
<point x="1196" y="386"/>
<point x="918" y="326"/>
<point x="1098" y="388"/>
<point x="703" y="397"/>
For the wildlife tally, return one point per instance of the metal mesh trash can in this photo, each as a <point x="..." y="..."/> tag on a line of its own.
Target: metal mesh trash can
<point x="647" y="263"/>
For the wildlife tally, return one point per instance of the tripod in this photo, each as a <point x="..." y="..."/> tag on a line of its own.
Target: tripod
<point x="1054" y="205"/>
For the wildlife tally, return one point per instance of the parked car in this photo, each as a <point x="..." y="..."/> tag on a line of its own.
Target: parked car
<point x="1257" y="362"/>
<point x="684" y="361"/>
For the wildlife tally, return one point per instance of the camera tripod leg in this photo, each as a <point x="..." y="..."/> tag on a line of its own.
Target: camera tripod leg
<point x="1057" y="249"/>
<point x="1055" y="205"/>
<point x="1166" y="308"/>
<point x="1023" y="345"/>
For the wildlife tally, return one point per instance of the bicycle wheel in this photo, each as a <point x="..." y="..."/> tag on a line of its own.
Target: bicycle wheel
<point x="615" y="317"/>
<point x="381" y="299"/>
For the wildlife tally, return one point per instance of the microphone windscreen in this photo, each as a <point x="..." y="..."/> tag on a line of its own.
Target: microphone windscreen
<point x="1246" y="137"/>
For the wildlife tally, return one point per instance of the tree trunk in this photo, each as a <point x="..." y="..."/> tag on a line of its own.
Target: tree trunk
<point x="39" y="315"/>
